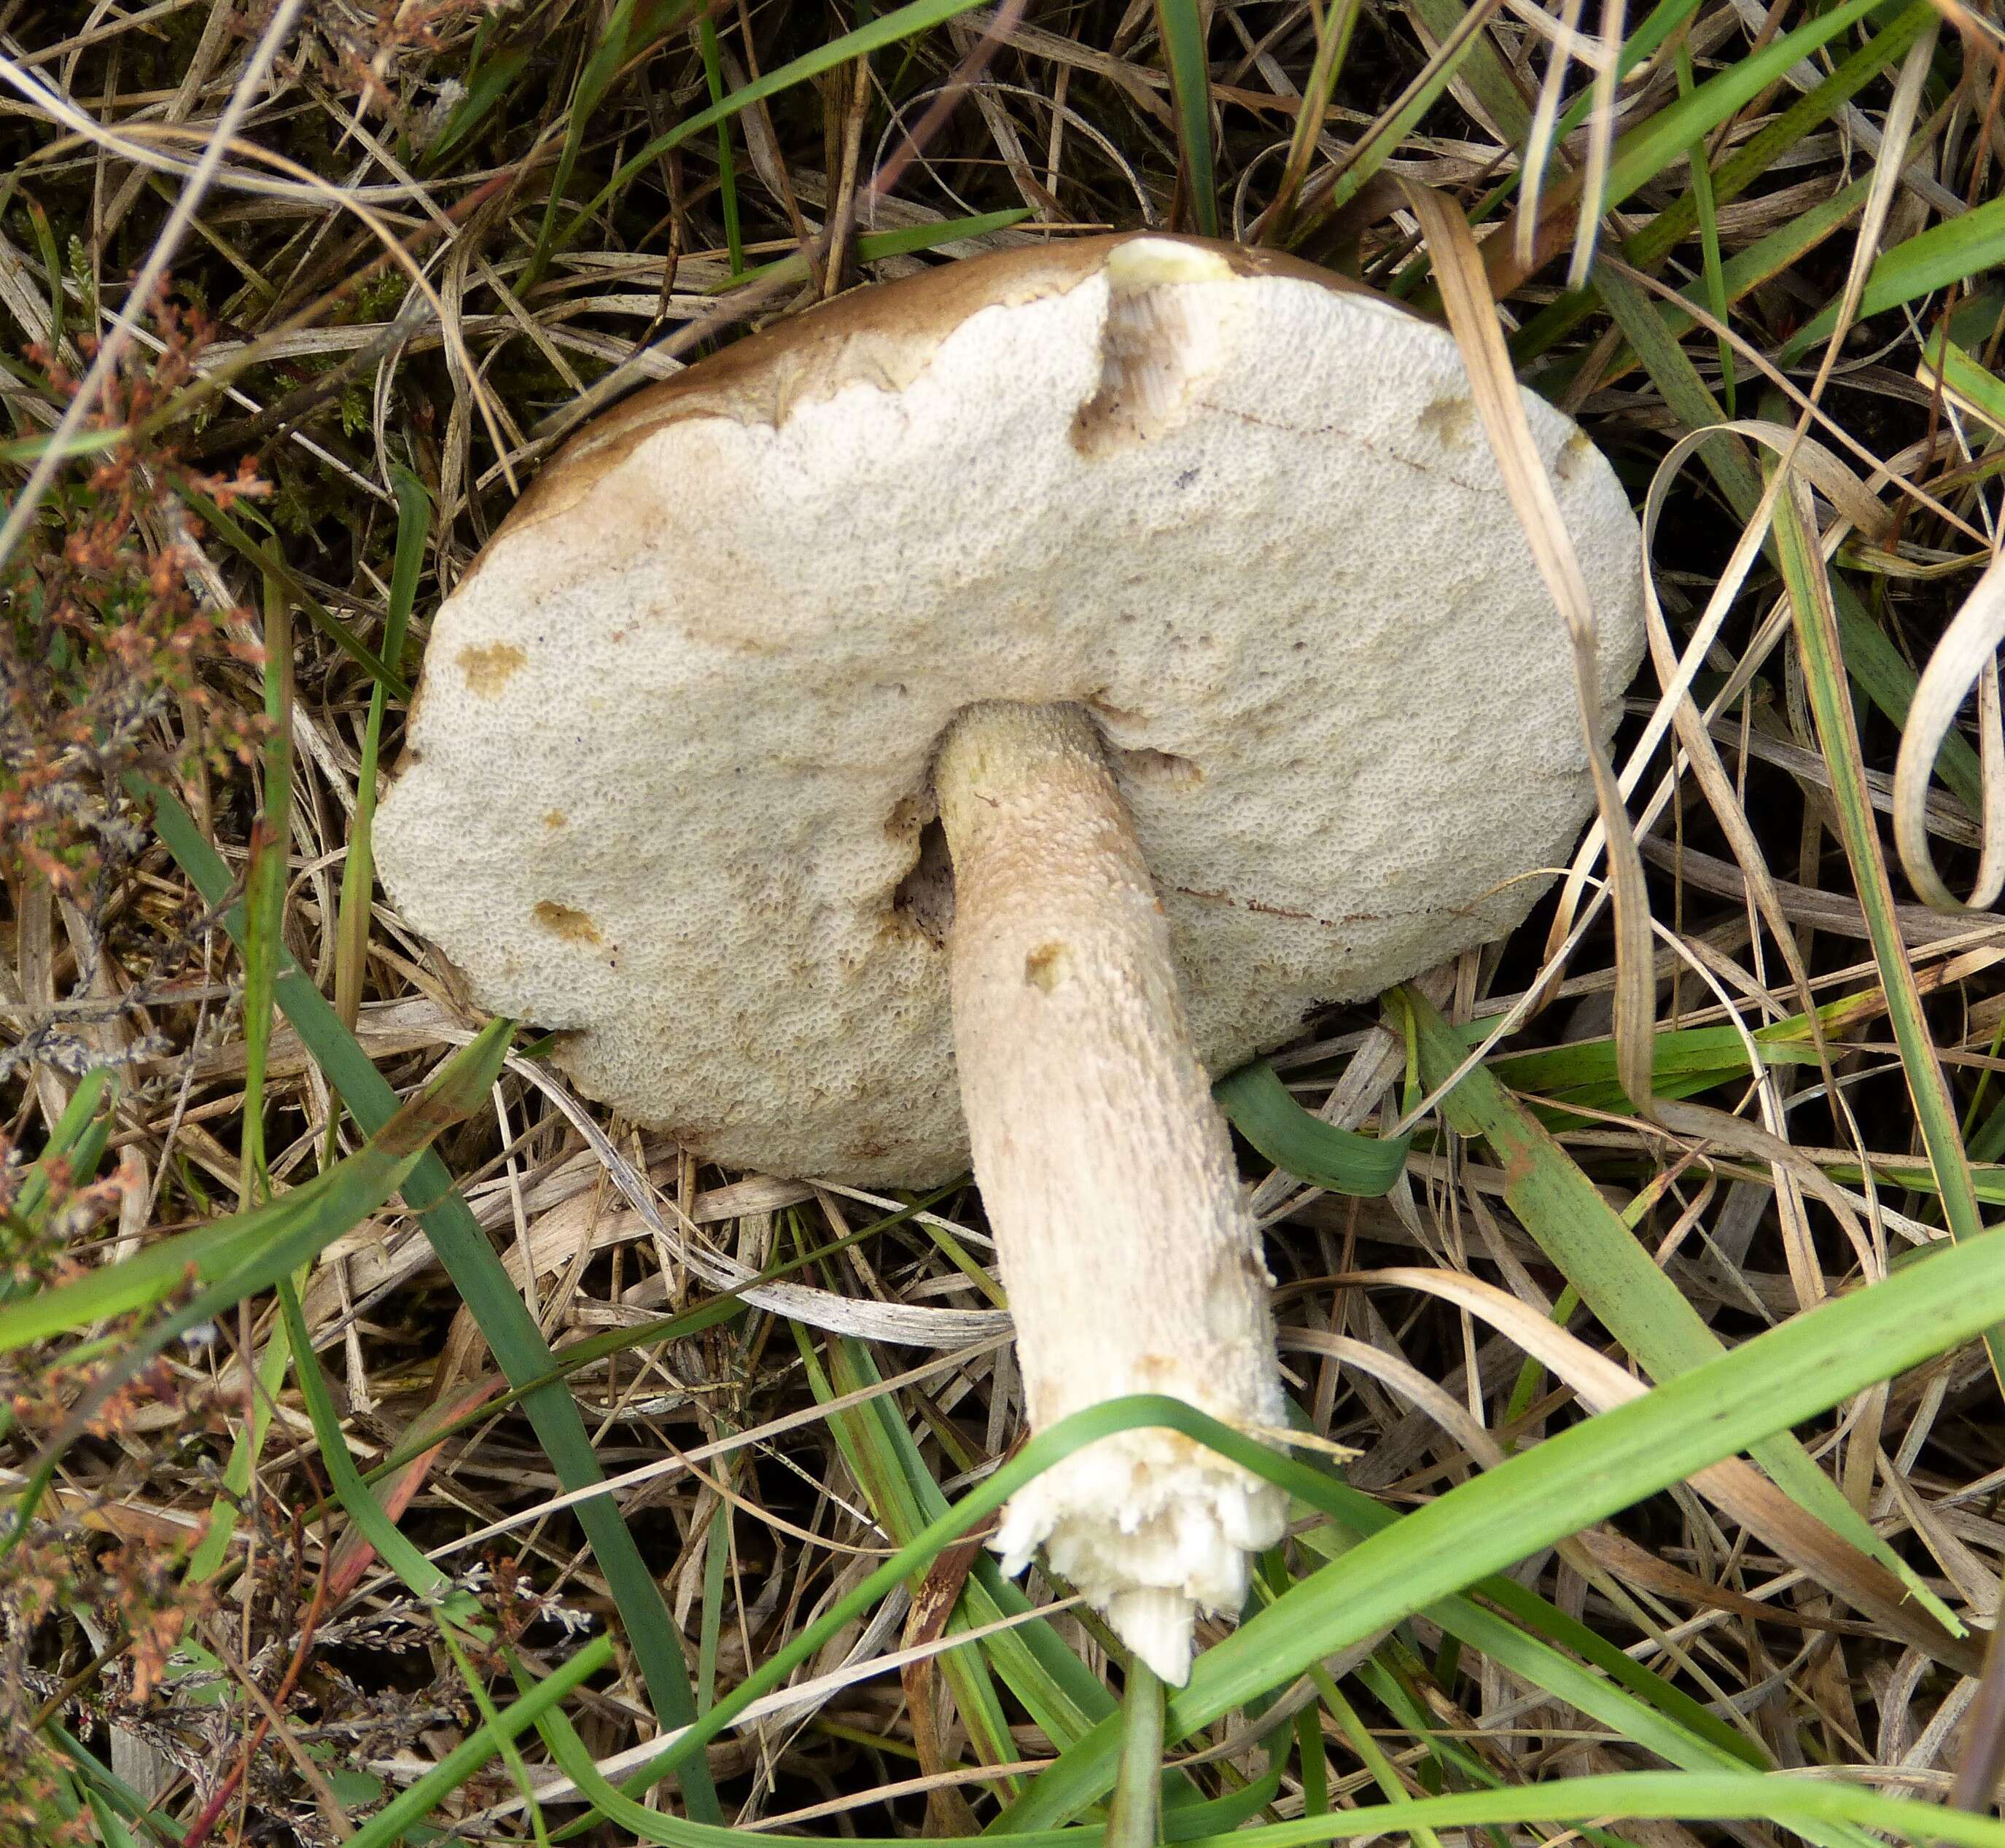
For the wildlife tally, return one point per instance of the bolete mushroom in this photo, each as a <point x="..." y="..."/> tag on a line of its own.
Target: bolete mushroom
<point x="1179" y="582"/>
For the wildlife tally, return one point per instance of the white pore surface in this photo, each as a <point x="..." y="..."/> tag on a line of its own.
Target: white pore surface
<point x="671" y="759"/>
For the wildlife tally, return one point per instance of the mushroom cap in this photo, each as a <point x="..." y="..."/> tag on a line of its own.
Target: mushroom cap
<point x="667" y="782"/>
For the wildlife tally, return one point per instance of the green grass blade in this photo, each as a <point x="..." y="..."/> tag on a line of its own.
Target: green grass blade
<point x="264" y="888"/>
<point x="358" y="871"/>
<point x="484" y="1286"/>
<point x="1061" y="1695"/>
<point x="1626" y="1697"/>
<point x="488" y="82"/>
<point x="1259" y="1106"/>
<point x="148" y="1276"/>
<point x="633" y="27"/>
<point x="1181" y="25"/>
<point x="1585" y="1474"/>
<point x="874" y="1442"/>
<point x="325" y="1207"/>
<point x="1954" y="250"/>
<point x="1135" y="1817"/>
<point x="1760" y="262"/>
<point x="77" y="1139"/>
<point x="902" y="22"/>
<point x="1966" y="376"/>
<point x="421" y="1577"/>
<point x="1488" y="79"/>
<point x="1660" y="141"/>
<point x="411" y="1808"/>
<point x="299" y="1224"/>
<point x="1941" y="1299"/>
<point x="268" y="563"/>
<point x="727" y="171"/>
<point x="1334" y="23"/>
<point x="1820" y="649"/>
<point x="1640" y="1796"/>
<point x="874" y="247"/>
<point x="1368" y="155"/>
<point x="98" y="1777"/>
<point x="1714" y="278"/>
<point x="1749" y="161"/>
<point x="224" y="1511"/>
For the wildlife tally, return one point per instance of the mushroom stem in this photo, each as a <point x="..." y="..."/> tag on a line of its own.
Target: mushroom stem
<point x="1132" y="1262"/>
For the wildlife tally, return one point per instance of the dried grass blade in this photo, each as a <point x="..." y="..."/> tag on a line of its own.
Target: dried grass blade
<point x="1968" y="653"/>
<point x="1539" y="143"/>
<point x="1871" y="660"/>
<point x="1472" y="313"/>
<point x="1893" y="156"/>
<point x="246" y="93"/>
<point x="1600" y="145"/>
<point x="1597" y="1253"/>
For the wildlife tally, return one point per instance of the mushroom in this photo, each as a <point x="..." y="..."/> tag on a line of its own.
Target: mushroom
<point x="959" y="719"/>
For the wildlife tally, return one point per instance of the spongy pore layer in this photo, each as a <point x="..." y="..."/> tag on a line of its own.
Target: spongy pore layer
<point x="669" y="774"/>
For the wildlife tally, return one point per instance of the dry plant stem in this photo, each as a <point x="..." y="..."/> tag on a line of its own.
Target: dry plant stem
<point x="1132" y="1262"/>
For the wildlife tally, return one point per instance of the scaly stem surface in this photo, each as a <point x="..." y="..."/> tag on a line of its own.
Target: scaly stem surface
<point x="1132" y="1262"/>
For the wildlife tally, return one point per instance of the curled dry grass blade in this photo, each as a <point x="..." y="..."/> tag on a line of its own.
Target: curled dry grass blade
<point x="1965" y="657"/>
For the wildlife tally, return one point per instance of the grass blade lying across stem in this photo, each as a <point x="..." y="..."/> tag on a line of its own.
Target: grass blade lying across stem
<point x="1585" y="1473"/>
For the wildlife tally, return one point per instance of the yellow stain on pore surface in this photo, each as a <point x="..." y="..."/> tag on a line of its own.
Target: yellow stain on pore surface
<point x="488" y="669"/>
<point x="573" y="926"/>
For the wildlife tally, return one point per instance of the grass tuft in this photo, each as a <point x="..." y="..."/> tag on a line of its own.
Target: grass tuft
<point x="393" y="1444"/>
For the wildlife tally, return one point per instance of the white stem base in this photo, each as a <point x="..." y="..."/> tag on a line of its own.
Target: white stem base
<point x="1132" y="1262"/>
